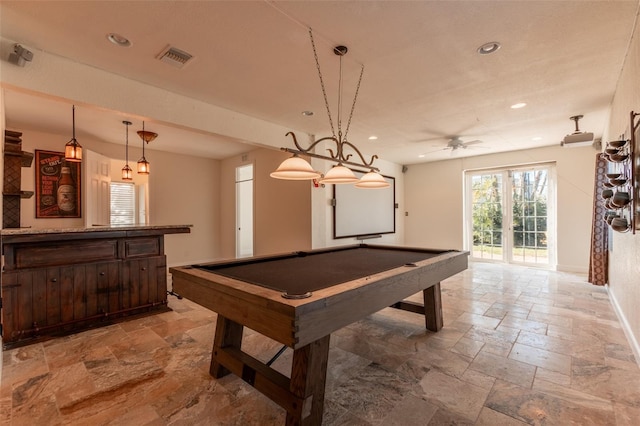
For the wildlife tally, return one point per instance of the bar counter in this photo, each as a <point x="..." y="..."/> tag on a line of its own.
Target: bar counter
<point x="63" y="280"/>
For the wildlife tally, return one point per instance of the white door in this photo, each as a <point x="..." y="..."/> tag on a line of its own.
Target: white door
<point x="96" y="191"/>
<point x="244" y="211"/>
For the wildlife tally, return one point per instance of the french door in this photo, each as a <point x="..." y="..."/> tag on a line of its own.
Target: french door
<point x="510" y="215"/>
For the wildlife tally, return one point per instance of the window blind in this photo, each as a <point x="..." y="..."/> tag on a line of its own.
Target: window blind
<point x="123" y="203"/>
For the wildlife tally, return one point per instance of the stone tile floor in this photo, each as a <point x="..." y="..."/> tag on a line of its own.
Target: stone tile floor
<point x="519" y="346"/>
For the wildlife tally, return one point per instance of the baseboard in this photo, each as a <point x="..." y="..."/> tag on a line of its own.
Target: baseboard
<point x="572" y="269"/>
<point x="633" y="342"/>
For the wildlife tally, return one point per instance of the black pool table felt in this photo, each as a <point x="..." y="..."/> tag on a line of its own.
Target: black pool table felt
<point x="301" y="273"/>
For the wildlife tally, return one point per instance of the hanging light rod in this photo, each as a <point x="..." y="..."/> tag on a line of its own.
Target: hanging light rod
<point x="339" y="156"/>
<point x="127" y="173"/>
<point x="295" y="168"/>
<point x="73" y="150"/>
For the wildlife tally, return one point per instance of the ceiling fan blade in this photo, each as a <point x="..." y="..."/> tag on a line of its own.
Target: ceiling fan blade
<point x="477" y="141"/>
<point x="433" y="139"/>
<point x="436" y="150"/>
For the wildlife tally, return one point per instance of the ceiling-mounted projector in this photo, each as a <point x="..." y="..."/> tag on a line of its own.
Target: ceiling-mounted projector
<point x="577" y="138"/>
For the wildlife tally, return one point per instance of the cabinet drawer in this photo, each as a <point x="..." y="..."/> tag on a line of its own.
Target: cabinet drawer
<point x="64" y="253"/>
<point x="143" y="246"/>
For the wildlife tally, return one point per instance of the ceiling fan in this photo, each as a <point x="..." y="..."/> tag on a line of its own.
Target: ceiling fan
<point x="456" y="143"/>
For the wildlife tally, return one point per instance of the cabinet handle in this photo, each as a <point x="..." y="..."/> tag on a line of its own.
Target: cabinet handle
<point x="102" y="274"/>
<point x="54" y="280"/>
<point x="143" y="269"/>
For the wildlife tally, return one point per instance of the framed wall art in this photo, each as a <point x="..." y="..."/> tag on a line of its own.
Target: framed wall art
<point x="58" y="184"/>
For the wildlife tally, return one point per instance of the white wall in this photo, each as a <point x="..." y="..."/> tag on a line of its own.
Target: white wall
<point x="624" y="262"/>
<point x="434" y="194"/>
<point x="282" y="209"/>
<point x="183" y="190"/>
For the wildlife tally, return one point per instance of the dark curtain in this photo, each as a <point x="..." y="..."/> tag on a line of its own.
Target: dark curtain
<point x="599" y="258"/>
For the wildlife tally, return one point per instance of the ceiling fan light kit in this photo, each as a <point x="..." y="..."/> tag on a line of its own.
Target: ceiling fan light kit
<point x="457" y="143"/>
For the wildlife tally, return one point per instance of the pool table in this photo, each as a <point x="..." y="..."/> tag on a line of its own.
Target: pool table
<point x="300" y="298"/>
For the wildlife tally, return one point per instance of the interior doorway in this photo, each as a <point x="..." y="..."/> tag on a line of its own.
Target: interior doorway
<point x="244" y="211"/>
<point x="511" y="215"/>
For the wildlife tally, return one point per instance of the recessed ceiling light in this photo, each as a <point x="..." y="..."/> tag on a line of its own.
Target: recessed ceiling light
<point x="118" y="40"/>
<point x="537" y="138"/>
<point x="422" y="155"/>
<point x="307" y="113"/>
<point x="518" y="105"/>
<point x="373" y="138"/>
<point x="489" y="48"/>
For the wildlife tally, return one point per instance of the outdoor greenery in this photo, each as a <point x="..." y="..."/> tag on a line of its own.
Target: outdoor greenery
<point x="529" y="201"/>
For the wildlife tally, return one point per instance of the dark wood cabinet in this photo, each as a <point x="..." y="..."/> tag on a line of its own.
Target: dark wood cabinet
<point x="144" y="281"/>
<point x="55" y="282"/>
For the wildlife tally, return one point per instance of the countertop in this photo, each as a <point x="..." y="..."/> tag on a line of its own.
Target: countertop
<point x="169" y="229"/>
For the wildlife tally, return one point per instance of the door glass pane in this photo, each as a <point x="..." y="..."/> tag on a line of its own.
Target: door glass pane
<point x="529" y="210"/>
<point x="486" y="212"/>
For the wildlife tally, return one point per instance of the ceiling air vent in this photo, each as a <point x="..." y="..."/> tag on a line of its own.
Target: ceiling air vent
<point x="176" y="57"/>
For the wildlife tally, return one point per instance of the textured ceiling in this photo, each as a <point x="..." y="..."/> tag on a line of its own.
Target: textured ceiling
<point x="423" y="83"/>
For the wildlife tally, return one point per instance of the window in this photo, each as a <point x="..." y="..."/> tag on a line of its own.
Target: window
<point x="123" y="203"/>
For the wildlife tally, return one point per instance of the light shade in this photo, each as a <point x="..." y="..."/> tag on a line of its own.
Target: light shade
<point x="127" y="173"/>
<point x="143" y="166"/>
<point x="372" y="180"/>
<point x="146" y="135"/>
<point x="73" y="151"/>
<point x="339" y="174"/>
<point x="295" y="168"/>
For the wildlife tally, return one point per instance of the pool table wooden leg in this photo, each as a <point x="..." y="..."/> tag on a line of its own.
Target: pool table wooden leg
<point x="433" y="307"/>
<point x="228" y="334"/>
<point x="308" y="378"/>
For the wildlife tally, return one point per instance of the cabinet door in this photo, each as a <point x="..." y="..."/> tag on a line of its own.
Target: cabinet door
<point x="46" y="285"/>
<point x="13" y="314"/>
<point x="145" y="281"/>
<point x="103" y="287"/>
<point x="30" y="300"/>
<point x="158" y="279"/>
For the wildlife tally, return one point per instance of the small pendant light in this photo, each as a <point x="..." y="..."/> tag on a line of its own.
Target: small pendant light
<point x="143" y="164"/>
<point x="73" y="150"/>
<point x="127" y="173"/>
